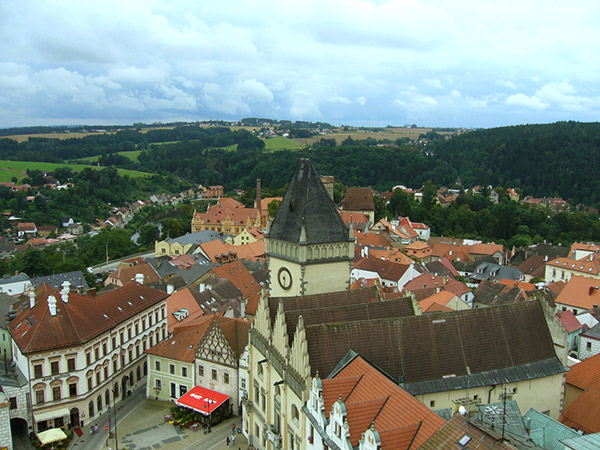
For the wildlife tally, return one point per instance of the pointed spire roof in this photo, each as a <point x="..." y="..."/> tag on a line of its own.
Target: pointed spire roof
<point x="306" y="213"/>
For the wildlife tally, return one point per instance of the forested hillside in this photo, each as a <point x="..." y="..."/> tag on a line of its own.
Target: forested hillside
<point x="559" y="159"/>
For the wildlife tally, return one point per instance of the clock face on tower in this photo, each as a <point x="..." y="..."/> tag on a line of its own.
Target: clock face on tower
<point x="285" y="278"/>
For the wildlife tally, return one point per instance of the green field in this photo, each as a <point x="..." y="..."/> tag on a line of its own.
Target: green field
<point x="10" y="169"/>
<point x="132" y="155"/>
<point x="281" y="143"/>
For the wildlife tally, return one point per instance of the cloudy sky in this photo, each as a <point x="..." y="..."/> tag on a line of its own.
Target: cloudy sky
<point x="460" y="63"/>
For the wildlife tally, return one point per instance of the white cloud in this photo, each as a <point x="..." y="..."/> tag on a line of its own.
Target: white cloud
<point x="525" y="101"/>
<point x="133" y="59"/>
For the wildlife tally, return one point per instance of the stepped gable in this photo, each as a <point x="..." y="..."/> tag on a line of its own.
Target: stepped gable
<point x="319" y="301"/>
<point x="371" y="398"/>
<point x="306" y="205"/>
<point x="450" y="343"/>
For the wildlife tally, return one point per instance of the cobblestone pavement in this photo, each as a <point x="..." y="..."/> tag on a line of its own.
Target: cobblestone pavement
<point x="141" y="426"/>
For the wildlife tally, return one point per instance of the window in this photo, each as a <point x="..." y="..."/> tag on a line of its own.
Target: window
<point x="432" y="404"/>
<point x="263" y="398"/>
<point x="54" y="369"/>
<point x="97" y="353"/>
<point x="13" y="403"/>
<point x="115" y="366"/>
<point x="243" y="383"/>
<point x="295" y="415"/>
<point x="182" y="390"/>
<point x="122" y="337"/>
<point x="226" y="378"/>
<point x="56" y="393"/>
<point x="256" y="393"/>
<point x="37" y="371"/>
<point x="137" y="329"/>
<point x="71" y="364"/>
<point x="39" y="397"/>
<point x="157" y="384"/>
<point x="214" y="374"/>
<point x="257" y="432"/>
<point x="104" y="348"/>
<point x="184" y="372"/>
<point x="172" y="369"/>
<point x="89" y="382"/>
<point x="200" y="371"/>
<point x="173" y="390"/>
<point x="260" y="371"/>
<point x="106" y="372"/>
<point x="588" y="346"/>
<point x="97" y="378"/>
<point x="114" y="342"/>
<point x="157" y="366"/>
<point x="88" y="358"/>
<point x="72" y="389"/>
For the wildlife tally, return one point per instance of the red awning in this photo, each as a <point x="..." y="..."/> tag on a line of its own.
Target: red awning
<point x="202" y="400"/>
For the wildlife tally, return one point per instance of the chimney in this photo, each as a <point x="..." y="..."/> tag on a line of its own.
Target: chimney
<point x="139" y="278"/>
<point x="31" y="299"/>
<point x="52" y="305"/>
<point x="258" y="201"/>
<point x="328" y="183"/>
<point x="170" y="288"/>
<point x="64" y="294"/>
<point x="591" y="290"/>
<point x="201" y="287"/>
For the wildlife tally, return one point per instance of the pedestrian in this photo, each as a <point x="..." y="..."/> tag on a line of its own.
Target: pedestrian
<point x="233" y="440"/>
<point x="228" y="441"/>
<point x="96" y="428"/>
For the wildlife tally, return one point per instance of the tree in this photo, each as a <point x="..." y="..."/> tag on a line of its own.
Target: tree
<point x="148" y="234"/>
<point x="273" y="207"/>
<point x="172" y="228"/>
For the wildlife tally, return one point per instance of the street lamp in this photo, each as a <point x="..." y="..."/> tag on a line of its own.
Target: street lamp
<point x="115" y="413"/>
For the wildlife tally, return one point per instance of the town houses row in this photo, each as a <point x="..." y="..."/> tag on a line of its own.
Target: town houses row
<point x="323" y="327"/>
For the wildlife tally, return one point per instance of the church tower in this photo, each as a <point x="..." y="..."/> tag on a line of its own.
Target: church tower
<point x="309" y="249"/>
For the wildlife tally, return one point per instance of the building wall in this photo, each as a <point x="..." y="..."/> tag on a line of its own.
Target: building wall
<point x="571" y="394"/>
<point x="94" y="374"/>
<point x="5" y="436"/>
<point x="588" y="347"/>
<point x="526" y="393"/>
<point x="561" y="273"/>
<point x="5" y="345"/>
<point x="161" y="376"/>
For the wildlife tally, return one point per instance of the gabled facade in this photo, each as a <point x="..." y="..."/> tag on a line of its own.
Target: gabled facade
<point x="278" y="362"/>
<point x="360" y="408"/>
<point x="205" y="352"/>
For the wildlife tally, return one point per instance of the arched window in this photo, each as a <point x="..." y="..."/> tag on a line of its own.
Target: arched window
<point x="99" y="403"/>
<point x="107" y="397"/>
<point x="91" y="409"/>
<point x="295" y="415"/>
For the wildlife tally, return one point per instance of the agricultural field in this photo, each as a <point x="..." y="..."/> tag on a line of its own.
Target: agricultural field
<point x="281" y="143"/>
<point x="18" y="169"/>
<point x="390" y="134"/>
<point x="132" y="155"/>
<point x="62" y="136"/>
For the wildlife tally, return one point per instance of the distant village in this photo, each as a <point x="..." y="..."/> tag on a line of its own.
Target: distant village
<point x="318" y="328"/>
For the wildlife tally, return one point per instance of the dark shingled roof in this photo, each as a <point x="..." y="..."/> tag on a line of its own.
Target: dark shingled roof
<point x="442" y="346"/>
<point x="358" y="199"/>
<point x="306" y="203"/>
<point x="320" y="301"/>
<point x="400" y="307"/>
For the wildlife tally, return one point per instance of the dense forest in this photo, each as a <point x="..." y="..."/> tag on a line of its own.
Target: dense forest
<point x="559" y="159"/>
<point x="542" y="160"/>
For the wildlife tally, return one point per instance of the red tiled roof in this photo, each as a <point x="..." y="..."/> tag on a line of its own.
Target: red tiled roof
<point x="241" y="278"/>
<point x="580" y="292"/>
<point x="358" y="199"/>
<point x="370" y="397"/>
<point x="79" y="320"/>
<point x="569" y="321"/>
<point x="584" y="412"/>
<point x="128" y="275"/>
<point x="585" y="373"/>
